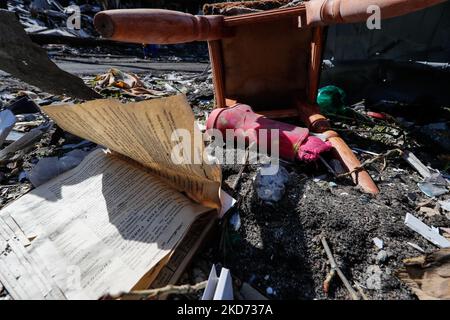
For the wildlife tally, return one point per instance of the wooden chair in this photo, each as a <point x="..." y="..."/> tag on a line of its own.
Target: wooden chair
<point x="269" y="60"/>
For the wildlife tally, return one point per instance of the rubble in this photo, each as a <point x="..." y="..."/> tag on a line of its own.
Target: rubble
<point x="27" y="140"/>
<point x="278" y="221"/>
<point x="50" y="17"/>
<point x="438" y="133"/>
<point x="243" y="7"/>
<point x="130" y="84"/>
<point x="416" y="164"/>
<point x="317" y="211"/>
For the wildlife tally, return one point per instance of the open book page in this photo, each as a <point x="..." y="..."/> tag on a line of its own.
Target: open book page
<point x="169" y="270"/>
<point x="103" y="225"/>
<point x="143" y="131"/>
<point x="172" y="271"/>
<point x="23" y="276"/>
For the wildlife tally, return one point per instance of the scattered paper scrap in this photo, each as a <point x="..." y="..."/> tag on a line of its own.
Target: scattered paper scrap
<point x="378" y="243"/>
<point x="128" y="82"/>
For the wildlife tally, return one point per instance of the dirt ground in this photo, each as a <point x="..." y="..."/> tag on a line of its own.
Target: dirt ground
<point x="277" y="248"/>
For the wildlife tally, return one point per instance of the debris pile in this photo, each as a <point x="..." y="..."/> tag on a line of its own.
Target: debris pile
<point x="49" y="17"/>
<point x="288" y="230"/>
<point x="129" y="83"/>
<point x="305" y="231"/>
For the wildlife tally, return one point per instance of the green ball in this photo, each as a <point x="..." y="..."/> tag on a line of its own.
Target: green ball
<point x="331" y="99"/>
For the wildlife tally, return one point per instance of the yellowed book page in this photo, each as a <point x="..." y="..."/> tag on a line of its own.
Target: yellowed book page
<point x="143" y="132"/>
<point x="185" y="251"/>
<point x="103" y="225"/>
<point x="170" y="269"/>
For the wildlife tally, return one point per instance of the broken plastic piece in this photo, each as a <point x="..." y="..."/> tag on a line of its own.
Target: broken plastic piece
<point x="376" y="115"/>
<point x="426" y="232"/>
<point x="409" y="157"/>
<point x="226" y="202"/>
<point x="431" y="190"/>
<point x="219" y="288"/>
<point x="7" y="121"/>
<point x="434" y="185"/>
<point x="25" y="141"/>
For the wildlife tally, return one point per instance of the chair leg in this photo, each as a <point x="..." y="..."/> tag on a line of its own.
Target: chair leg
<point x="310" y="115"/>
